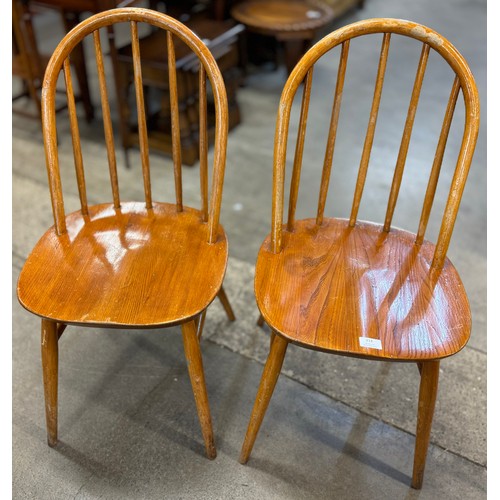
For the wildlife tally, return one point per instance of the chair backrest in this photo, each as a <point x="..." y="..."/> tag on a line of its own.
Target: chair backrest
<point x="60" y="61"/>
<point x="303" y="73"/>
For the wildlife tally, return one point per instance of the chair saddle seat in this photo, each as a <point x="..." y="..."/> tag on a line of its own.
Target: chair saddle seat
<point x="361" y="291"/>
<point x="132" y="267"/>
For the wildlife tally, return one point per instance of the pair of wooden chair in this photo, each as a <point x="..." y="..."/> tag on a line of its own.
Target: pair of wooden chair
<point x="337" y="285"/>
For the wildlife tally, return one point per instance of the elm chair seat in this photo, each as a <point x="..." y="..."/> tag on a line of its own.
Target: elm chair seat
<point x="99" y="256"/>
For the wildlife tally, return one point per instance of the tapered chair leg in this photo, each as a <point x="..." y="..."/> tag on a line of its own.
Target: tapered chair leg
<point x="225" y="304"/>
<point x="266" y="388"/>
<point x="200" y="323"/>
<point x="50" y="375"/>
<point x="195" y="368"/>
<point x="429" y="373"/>
<point x="260" y="321"/>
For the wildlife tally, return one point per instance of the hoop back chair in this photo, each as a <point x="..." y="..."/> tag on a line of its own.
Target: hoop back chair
<point x="140" y="264"/>
<point x="359" y="288"/>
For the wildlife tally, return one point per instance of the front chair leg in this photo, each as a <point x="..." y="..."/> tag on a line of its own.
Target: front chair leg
<point x="268" y="382"/>
<point x="225" y="304"/>
<point x="429" y="375"/>
<point x="195" y="368"/>
<point x="50" y="336"/>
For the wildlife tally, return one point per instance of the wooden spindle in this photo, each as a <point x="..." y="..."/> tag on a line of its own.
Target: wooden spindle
<point x="49" y="131"/>
<point x="174" y="116"/>
<point x="438" y="160"/>
<point x="106" y="116"/>
<point x="75" y="137"/>
<point x="332" y="133"/>
<point x="365" y="157"/>
<point x="141" y="113"/>
<point x="203" y="143"/>
<point x="405" y="142"/>
<point x="299" y="149"/>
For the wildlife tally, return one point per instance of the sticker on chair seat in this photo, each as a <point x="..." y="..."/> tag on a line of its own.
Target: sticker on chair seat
<point x="368" y="342"/>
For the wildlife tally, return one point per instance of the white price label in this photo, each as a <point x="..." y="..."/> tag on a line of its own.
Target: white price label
<point x="368" y="342"/>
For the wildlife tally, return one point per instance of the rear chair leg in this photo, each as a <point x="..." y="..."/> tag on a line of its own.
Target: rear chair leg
<point x="195" y="368"/>
<point x="429" y="373"/>
<point x="50" y="335"/>
<point x="266" y="388"/>
<point x="225" y="304"/>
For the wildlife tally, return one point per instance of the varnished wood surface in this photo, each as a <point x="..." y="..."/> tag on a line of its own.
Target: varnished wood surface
<point x="197" y="377"/>
<point x="358" y="288"/>
<point x="275" y="16"/>
<point x="127" y="267"/>
<point x="270" y="376"/>
<point x="388" y="27"/>
<point x="333" y="284"/>
<point x="50" y="369"/>
<point x="135" y="15"/>
<point x="429" y="372"/>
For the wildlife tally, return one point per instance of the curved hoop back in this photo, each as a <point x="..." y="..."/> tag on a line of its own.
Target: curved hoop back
<point x="303" y="72"/>
<point x="208" y="68"/>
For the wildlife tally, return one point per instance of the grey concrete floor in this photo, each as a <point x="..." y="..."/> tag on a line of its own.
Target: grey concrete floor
<point x="336" y="427"/>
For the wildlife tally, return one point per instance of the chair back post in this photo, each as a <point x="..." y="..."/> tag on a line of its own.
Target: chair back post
<point x="211" y="69"/>
<point x="464" y="80"/>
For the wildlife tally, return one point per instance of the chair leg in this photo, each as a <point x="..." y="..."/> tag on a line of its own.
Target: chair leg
<point x="260" y="321"/>
<point x="426" y="403"/>
<point x="200" y="322"/>
<point x="268" y="382"/>
<point x="50" y="375"/>
<point x="195" y="368"/>
<point x="225" y="304"/>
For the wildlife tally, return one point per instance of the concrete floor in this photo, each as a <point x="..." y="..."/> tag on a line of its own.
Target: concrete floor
<point x="336" y="427"/>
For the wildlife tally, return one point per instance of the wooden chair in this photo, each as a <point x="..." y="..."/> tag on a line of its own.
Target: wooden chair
<point x="359" y="288"/>
<point x="140" y="264"/>
<point x="28" y="63"/>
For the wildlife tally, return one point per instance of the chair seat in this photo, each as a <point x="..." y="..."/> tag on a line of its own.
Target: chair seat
<point x="362" y="291"/>
<point x="130" y="267"/>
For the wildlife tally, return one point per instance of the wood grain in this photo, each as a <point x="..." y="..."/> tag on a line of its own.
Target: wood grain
<point x="50" y="368"/>
<point x="358" y="288"/>
<point x="429" y="373"/>
<point x="332" y="285"/>
<point x="196" y="374"/>
<point x="128" y="267"/>
<point x="128" y="264"/>
<point x="270" y="376"/>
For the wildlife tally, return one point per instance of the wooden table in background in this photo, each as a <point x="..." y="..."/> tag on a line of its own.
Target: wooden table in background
<point x="294" y="23"/>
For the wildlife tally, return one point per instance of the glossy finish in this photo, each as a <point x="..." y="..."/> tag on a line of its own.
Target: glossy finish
<point x="332" y="285"/>
<point x="197" y="376"/>
<point x="50" y="367"/>
<point x="358" y="288"/>
<point x="294" y="23"/>
<point x="272" y="368"/>
<point x="137" y="264"/>
<point x="125" y="267"/>
<point x="281" y="15"/>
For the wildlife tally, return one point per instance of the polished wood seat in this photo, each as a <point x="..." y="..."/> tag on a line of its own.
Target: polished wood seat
<point x="99" y="258"/>
<point x="334" y="284"/>
<point x="360" y="288"/>
<point x="121" y="263"/>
